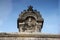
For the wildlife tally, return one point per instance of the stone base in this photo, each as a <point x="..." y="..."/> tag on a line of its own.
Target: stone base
<point x="28" y="36"/>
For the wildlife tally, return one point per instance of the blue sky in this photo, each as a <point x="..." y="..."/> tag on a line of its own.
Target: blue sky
<point x="49" y="9"/>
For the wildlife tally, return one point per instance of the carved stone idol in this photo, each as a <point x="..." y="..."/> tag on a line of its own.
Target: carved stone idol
<point x="30" y="21"/>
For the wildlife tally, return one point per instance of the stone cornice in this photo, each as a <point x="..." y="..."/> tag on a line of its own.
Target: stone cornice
<point x="24" y="34"/>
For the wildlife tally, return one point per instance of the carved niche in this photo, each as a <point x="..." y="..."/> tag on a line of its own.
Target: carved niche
<point x="30" y="21"/>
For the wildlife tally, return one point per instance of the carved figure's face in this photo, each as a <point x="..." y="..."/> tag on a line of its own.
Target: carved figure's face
<point x="30" y="23"/>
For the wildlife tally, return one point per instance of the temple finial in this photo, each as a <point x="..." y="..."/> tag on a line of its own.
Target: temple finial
<point x="30" y="8"/>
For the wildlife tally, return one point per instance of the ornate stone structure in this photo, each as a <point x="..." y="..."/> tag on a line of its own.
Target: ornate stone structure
<point x="29" y="24"/>
<point x="28" y="36"/>
<point x="30" y="21"/>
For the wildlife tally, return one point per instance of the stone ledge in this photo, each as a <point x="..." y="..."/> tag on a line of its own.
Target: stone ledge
<point x="24" y="34"/>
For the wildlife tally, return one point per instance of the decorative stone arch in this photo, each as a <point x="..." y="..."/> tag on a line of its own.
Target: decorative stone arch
<point x="37" y="20"/>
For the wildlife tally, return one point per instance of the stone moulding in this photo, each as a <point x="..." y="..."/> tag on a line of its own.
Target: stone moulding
<point x="35" y="35"/>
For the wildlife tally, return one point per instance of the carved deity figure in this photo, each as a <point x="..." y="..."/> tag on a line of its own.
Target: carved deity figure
<point x="30" y="21"/>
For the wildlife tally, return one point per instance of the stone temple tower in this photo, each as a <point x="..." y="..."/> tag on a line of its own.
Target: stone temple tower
<point x="30" y="21"/>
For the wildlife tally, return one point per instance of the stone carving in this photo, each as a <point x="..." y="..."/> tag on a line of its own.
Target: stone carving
<point x="30" y="21"/>
<point x="28" y="36"/>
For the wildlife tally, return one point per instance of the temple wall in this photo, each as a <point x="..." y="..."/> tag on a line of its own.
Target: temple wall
<point x="28" y="36"/>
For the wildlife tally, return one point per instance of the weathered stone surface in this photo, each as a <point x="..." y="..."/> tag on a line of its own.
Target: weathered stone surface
<point x="30" y="20"/>
<point x="29" y="23"/>
<point x="14" y="38"/>
<point x="28" y="36"/>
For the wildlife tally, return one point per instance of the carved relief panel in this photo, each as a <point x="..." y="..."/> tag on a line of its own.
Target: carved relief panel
<point x="30" y="21"/>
